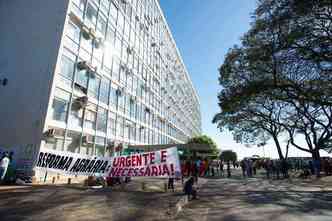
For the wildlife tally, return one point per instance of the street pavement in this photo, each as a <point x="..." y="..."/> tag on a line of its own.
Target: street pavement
<point x="222" y="199"/>
<point x="77" y="203"/>
<point x="258" y="199"/>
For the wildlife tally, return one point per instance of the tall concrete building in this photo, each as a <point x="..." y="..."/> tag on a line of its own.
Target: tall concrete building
<point x="82" y="75"/>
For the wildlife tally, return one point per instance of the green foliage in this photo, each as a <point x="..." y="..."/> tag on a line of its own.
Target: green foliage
<point x="279" y="81"/>
<point x="203" y="139"/>
<point x="228" y="156"/>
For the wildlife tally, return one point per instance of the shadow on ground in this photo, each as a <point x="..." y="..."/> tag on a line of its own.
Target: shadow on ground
<point x="258" y="199"/>
<point x="73" y="203"/>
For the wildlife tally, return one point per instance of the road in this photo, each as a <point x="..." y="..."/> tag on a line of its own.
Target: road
<point x="258" y="199"/>
<point x="220" y="199"/>
<point x="75" y="203"/>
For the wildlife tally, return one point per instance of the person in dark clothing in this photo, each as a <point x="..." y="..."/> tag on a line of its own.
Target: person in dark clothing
<point x="243" y="168"/>
<point x="221" y="167"/>
<point x="229" y="169"/>
<point x="311" y="167"/>
<point x="284" y="168"/>
<point x="171" y="184"/>
<point x="188" y="188"/>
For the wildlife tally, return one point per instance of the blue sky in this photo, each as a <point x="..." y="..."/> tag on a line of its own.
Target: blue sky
<point x="204" y="31"/>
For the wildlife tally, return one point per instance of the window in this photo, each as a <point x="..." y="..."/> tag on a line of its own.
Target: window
<point x="104" y="90"/>
<point x="120" y="126"/>
<point x="82" y="78"/>
<point x="60" y="105"/>
<point x="118" y="47"/>
<point x="80" y="4"/>
<point x="72" y="142"/>
<point x="113" y="96"/>
<point x="132" y="108"/>
<point x="116" y="69"/>
<point x="57" y="142"/>
<point x="73" y="32"/>
<point x="113" y="13"/>
<point x="100" y="147"/>
<point x="121" y="102"/>
<point x="120" y="23"/>
<point x="104" y="6"/>
<point x="101" y="26"/>
<point x="132" y="132"/>
<point x="91" y="15"/>
<point x="87" y="144"/>
<point x="102" y="120"/>
<point x="76" y="116"/>
<point x="93" y="90"/>
<point x="122" y="74"/>
<point x="112" y="123"/>
<point x="91" y="117"/>
<point x="67" y="69"/>
<point x="127" y="129"/>
<point x="87" y="45"/>
<point x="78" y="7"/>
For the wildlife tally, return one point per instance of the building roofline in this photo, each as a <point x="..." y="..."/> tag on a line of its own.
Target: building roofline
<point x="177" y="51"/>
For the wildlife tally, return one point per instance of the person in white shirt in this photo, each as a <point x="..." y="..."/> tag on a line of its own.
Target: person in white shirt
<point x="4" y="166"/>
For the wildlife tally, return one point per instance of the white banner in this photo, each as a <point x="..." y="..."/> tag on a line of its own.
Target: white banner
<point x="161" y="163"/>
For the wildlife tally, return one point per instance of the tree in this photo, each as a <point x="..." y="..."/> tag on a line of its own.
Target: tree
<point x="204" y="139"/>
<point x="278" y="82"/>
<point x="228" y="156"/>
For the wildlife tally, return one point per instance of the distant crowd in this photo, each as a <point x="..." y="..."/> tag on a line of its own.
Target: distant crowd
<point x="273" y="169"/>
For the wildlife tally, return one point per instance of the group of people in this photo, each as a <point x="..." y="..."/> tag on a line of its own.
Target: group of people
<point x="205" y="167"/>
<point x="273" y="168"/>
<point x="277" y="169"/>
<point x="312" y="167"/>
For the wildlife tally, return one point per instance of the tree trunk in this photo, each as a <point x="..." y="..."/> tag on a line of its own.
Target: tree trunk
<point x="315" y="154"/>
<point x="276" y="141"/>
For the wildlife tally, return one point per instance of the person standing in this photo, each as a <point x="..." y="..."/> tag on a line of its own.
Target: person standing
<point x="171" y="184"/>
<point x="4" y="166"/>
<point x="221" y="167"/>
<point x="243" y="167"/>
<point x="229" y="169"/>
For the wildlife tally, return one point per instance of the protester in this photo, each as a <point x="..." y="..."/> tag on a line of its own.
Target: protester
<point x="268" y="168"/>
<point x="255" y="166"/>
<point x="311" y="167"/>
<point x="229" y="169"/>
<point x="221" y="166"/>
<point x="189" y="189"/>
<point x="171" y="184"/>
<point x="188" y="168"/>
<point x="243" y="167"/>
<point x="284" y="168"/>
<point x="206" y="168"/>
<point x="317" y="165"/>
<point x="4" y="166"/>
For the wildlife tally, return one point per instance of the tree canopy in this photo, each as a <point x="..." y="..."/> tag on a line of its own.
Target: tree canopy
<point x="228" y="156"/>
<point x="277" y="83"/>
<point x="204" y="139"/>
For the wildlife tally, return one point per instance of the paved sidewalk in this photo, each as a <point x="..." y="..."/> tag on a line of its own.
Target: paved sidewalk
<point x="258" y="199"/>
<point x="75" y="202"/>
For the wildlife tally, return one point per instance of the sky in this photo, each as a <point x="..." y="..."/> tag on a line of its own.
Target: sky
<point x="204" y="30"/>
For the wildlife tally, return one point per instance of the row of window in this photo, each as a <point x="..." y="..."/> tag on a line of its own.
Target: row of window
<point x="83" y="143"/>
<point x="95" y="117"/>
<point x="114" y="13"/>
<point x="94" y="16"/>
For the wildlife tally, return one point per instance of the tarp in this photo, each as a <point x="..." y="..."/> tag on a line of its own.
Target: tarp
<point x="161" y="163"/>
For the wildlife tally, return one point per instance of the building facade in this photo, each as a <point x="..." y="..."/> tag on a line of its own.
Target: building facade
<point x="106" y="72"/>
